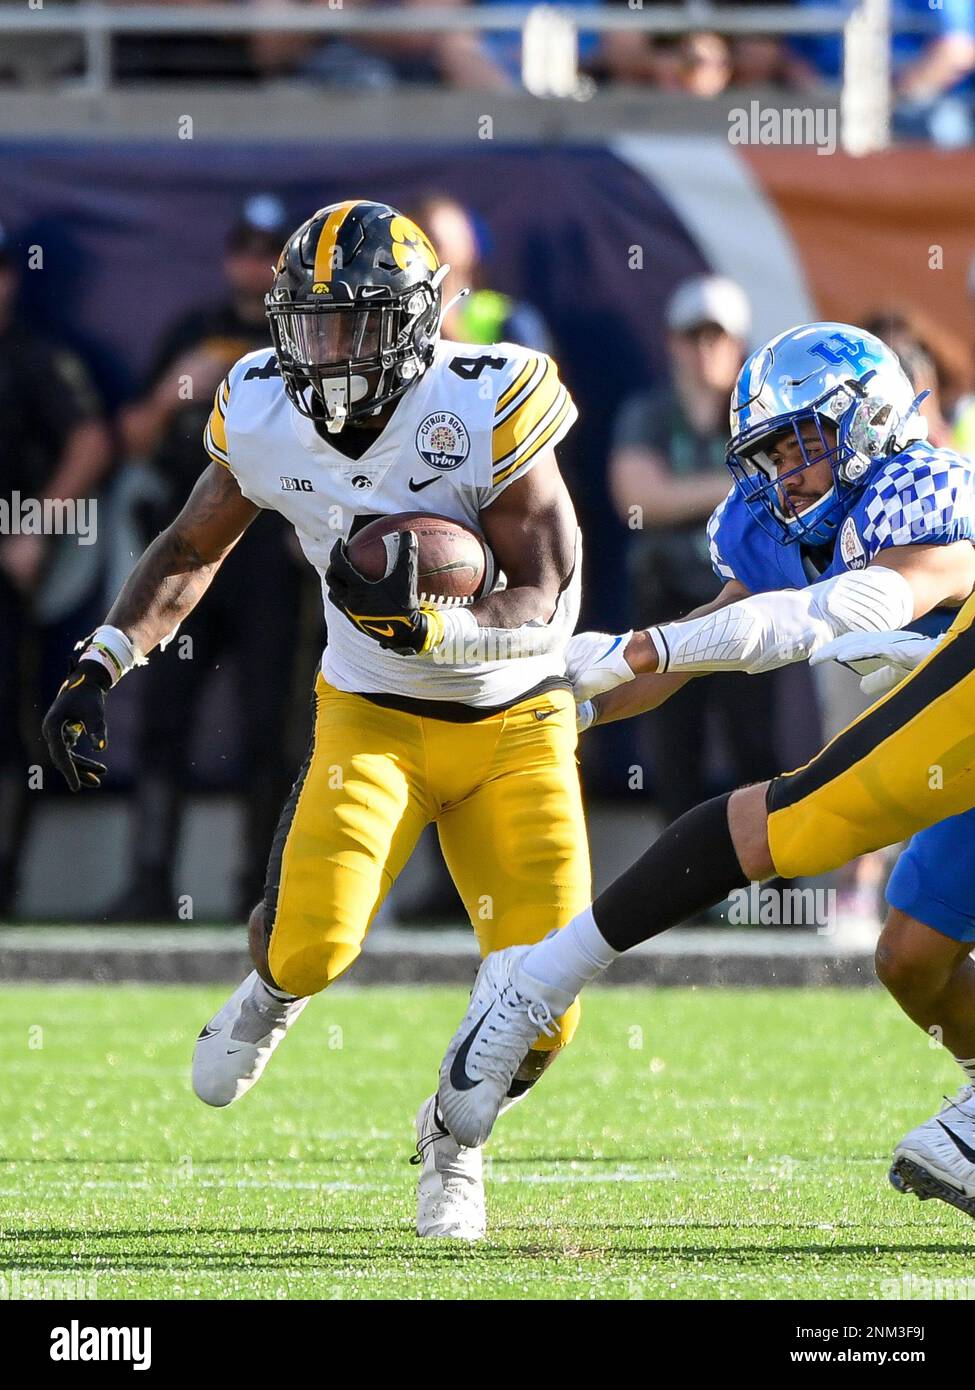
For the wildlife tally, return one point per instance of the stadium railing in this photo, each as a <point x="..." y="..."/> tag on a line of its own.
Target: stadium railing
<point x="549" y="36"/>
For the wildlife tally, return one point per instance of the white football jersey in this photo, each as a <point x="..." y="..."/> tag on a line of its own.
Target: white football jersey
<point x="477" y="419"/>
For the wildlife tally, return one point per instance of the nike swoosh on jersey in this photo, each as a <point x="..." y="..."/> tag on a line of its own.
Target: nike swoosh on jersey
<point x="418" y="487"/>
<point x="964" y="1149"/>
<point x="545" y="713"/>
<point x="458" y="1068"/>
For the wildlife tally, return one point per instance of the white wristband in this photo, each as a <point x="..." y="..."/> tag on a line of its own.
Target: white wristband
<point x="465" y="642"/>
<point x="110" y="647"/>
<point x="461" y="633"/>
<point x="585" y="716"/>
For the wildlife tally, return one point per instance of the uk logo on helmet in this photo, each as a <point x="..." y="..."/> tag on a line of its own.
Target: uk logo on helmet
<point x="843" y="347"/>
<point x="442" y="440"/>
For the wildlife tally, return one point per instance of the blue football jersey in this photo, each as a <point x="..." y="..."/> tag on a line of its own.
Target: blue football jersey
<point x="923" y="496"/>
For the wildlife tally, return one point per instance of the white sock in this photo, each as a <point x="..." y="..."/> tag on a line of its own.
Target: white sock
<point x="569" y="958"/>
<point x="967" y="1065"/>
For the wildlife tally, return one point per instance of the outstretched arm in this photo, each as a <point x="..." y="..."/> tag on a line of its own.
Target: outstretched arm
<point x="176" y="570"/>
<point x="165" y="586"/>
<point x="646" y="691"/>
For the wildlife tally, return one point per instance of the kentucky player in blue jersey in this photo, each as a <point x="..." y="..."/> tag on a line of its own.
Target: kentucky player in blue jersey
<point x="843" y="520"/>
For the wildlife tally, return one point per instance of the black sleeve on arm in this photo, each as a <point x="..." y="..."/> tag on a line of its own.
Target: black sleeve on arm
<point x="690" y="867"/>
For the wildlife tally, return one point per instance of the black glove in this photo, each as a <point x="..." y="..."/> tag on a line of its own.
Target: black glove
<point x="78" y="709"/>
<point x="387" y="610"/>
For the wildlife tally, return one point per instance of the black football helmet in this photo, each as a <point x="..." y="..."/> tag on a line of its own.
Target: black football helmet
<point x="354" y="310"/>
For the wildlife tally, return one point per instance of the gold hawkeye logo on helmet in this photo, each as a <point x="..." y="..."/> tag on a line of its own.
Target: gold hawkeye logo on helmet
<point x="409" y="242"/>
<point x="319" y="287"/>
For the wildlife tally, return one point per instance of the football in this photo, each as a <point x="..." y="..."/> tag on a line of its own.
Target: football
<point x="453" y="558"/>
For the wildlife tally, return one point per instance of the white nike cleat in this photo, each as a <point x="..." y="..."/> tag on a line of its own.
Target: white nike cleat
<point x="450" y="1188"/>
<point x="504" y="1018"/>
<point x="236" y="1045"/>
<point x="938" y="1158"/>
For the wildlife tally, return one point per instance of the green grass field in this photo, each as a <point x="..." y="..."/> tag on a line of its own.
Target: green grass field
<point x="693" y="1144"/>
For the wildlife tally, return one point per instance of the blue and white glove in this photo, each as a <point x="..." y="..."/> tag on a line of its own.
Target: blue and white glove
<point x="594" y="663"/>
<point x="882" y="659"/>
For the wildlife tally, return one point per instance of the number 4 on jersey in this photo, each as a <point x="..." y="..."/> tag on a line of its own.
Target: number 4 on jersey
<point x="470" y="368"/>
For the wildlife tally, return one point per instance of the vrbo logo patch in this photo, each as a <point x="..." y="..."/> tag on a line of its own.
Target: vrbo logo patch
<point x="794" y="125"/>
<point x="77" y="1343"/>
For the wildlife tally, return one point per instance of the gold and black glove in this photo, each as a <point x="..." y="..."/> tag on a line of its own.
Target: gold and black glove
<point x="388" y="610"/>
<point x="78" y="709"/>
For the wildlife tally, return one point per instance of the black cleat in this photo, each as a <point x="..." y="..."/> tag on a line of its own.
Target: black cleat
<point x="908" y="1176"/>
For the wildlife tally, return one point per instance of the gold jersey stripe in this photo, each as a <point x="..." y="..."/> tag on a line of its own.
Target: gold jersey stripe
<point x="215" y="458"/>
<point x="516" y="385"/>
<point x="519" y="429"/>
<point x="214" y="449"/>
<point x="518" y="425"/>
<point x="215" y="434"/>
<point x="328" y="238"/>
<point x="543" y="367"/>
<point x="552" y="434"/>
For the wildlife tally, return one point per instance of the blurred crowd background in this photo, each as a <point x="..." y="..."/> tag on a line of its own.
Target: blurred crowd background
<point x="932" y="53"/>
<point x="80" y="419"/>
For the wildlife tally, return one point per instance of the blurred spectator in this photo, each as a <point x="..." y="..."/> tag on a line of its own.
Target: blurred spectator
<point x="963" y="434"/>
<point x="667" y="470"/>
<point x="485" y="315"/>
<point x="249" y="615"/>
<point x="699" y="64"/>
<point x="932" y="72"/>
<point x="376" y="61"/>
<point x="53" y="444"/>
<point x="188" y="56"/>
<point x="932" y="361"/>
<point x="759" y="59"/>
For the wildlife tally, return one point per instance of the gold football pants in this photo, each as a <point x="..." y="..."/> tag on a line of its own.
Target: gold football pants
<point x="906" y="763"/>
<point x="504" y="792"/>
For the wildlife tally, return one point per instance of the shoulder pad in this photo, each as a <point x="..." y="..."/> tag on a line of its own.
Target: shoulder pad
<point x="924" y="495"/>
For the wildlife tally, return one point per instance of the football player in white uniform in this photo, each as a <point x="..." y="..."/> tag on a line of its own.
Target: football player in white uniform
<point x="460" y="716"/>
